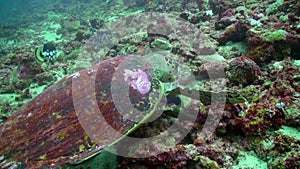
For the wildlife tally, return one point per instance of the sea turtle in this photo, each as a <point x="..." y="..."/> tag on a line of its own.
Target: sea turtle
<point x="48" y="130"/>
<point x="75" y="119"/>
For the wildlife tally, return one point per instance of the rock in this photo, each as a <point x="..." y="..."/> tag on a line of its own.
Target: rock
<point x="243" y="70"/>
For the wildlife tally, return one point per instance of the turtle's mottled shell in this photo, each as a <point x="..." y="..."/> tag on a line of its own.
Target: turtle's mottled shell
<point x="46" y="131"/>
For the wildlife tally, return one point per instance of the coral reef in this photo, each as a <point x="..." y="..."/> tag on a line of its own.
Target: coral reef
<point x="256" y="43"/>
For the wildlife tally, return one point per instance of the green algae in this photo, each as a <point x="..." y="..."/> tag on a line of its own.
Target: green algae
<point x="50" y="32"/>
<point x="161" y="44"/>
<point x="279" y="35"/>
<point x="231" y="46"/>
<point x="248" y="159"/>
<point x="206" y="162"/>
<point x="296" y="63"/>
<point x="274" y="7"/>
<point x="290" y="131"/>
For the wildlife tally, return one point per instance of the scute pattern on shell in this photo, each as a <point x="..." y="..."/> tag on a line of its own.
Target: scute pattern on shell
<point x="46" y="131"/>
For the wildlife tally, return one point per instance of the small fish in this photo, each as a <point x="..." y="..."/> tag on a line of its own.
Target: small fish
<point x="47" y="53"/>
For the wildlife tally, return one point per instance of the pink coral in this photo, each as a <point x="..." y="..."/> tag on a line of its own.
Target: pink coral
<point x="138" y="80"/>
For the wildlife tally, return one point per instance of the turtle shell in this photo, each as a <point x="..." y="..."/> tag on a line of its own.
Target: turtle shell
<point x="48" y="130"/>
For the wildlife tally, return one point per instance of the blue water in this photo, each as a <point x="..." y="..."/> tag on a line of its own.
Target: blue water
<point x="19" y="10"/>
